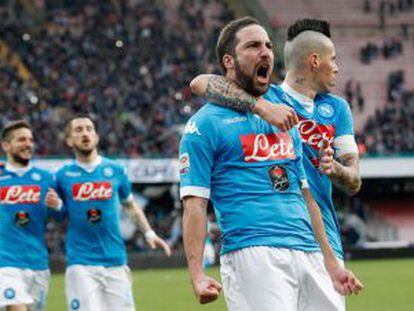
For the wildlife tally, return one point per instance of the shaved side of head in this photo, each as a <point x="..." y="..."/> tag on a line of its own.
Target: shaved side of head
<point x="298" y="49"/>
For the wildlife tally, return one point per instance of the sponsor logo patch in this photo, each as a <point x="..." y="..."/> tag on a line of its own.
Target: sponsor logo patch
<point x="279" y="178"/>
<point x="275" y="146"/>
<point x="184" y="163"/>
<point x="22" y="218"/>
<point x="91" y="191"/>
<point x="94" y="215"/>
<point x="29" y="194"/>
<point x="313" y="133"/>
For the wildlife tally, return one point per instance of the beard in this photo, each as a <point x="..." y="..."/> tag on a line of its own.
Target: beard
<point x="246" y="82"/>
<point x="84" y="152"/>
<point x="18" y="159"/>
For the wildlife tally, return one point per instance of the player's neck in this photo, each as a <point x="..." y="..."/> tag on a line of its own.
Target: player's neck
<point x="300" y="83"/>
<point x="16" y="165"/>
<point x="87" y="159"/>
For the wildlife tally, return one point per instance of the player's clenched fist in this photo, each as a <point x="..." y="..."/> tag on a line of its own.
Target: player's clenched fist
<point x="326" y="157"/>
<point x="52" y="199"/>
<point x="206" y="289"/>
<point x="279" y="115"/>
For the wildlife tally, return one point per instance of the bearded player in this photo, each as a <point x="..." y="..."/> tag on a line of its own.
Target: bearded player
<point x="97" y="277"/>
<point x="24" y="264"/>
<point x="325" y="120"/>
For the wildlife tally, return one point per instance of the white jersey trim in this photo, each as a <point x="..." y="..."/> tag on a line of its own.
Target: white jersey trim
<point x="345" y="144"/>
<point x="195" y="191"/>
<point x="128" y="199"/>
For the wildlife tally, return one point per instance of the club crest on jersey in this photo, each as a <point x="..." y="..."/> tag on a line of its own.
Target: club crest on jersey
<point x="261" y="147"/>
<point x="9" y="293"/>
<point x="312" y="133"/>
<point x="22" y="218"/>
<point x="326" y="111"/>
<point x="94" y="215"/>
<point x="184" y="163"/>
<point x="108" y="171"/>
<point x="279" y="178"/>
<point x="35" y="177"/>
<point x="20" y="194"/>
<point x="92" y="191"/>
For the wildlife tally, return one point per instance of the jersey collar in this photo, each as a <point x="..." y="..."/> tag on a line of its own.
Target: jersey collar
<point x="90" y="167"/>
<point x="19" y="171"/>
<point x="307" y="103"/>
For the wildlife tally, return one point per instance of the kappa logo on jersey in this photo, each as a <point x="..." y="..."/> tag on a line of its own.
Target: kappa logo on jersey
<point x="312" y="133"/>
<point x="20" y="194"/>
<point x="191" y="128"/>
<point x="90" y="191"/>
<point x="257" y="148"/>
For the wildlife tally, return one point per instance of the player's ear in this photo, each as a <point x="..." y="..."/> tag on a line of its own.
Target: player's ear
<point x="228" y="61"/>
<point x="69" y="142"/>
<point x="5" y="145"/>
<point x="313" y="62"/>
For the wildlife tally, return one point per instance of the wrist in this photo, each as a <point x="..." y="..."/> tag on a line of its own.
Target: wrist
<point x="150" y="234"/>
<point x="256" y="106"/>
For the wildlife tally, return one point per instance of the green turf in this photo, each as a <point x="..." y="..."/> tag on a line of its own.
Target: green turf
<point x="389" y="286"/>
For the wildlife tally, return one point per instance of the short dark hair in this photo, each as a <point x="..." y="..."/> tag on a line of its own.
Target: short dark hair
<point x="308" y="24"/>
<point x="226" y="42"/>
<point x="68" y="126"/>
<point x="13" y="126"/>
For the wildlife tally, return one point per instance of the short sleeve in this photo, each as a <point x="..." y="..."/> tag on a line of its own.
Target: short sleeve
<point x="125" y="187"/>
<point x="195" y="162"/>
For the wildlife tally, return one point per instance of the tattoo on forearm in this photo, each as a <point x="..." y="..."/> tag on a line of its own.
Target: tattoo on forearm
<point x="346" y="173"/>
<point x="227" y="94"/>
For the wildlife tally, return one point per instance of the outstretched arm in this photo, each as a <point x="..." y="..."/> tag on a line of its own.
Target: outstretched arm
<point x="194" y="234"/>
<point x="220" y="91"/>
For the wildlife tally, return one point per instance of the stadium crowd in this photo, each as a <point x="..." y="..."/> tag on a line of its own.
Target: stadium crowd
<point x="128" y="64"/>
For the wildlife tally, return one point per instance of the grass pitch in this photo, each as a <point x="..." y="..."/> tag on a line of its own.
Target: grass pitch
<point x="389" y="286"/>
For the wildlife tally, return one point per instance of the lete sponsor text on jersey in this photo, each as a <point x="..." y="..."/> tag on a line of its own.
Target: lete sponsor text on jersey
<point x="261" y="147"/>
<point x="27" y="194"/>
<point x="92" y="191"/>
<point x="313" y="133"/>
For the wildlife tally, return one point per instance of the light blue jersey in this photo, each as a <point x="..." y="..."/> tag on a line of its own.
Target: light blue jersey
<point x="23" y="216"/>
<point x="253" y="174"/>
<point x="330" y="118"/>
<point x="91" y="200"/>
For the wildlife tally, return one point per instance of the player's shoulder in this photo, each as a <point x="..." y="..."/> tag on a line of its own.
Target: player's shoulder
<point x="66" y="169"/>
<point x="274" y="93"/>
<point x="108" y="162"/>
<point x="336" y="101"/>
<point x="41" y="171"/>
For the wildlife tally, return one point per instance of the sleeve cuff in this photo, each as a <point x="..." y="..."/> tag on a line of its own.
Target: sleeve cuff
<point x="128" y="199"/>
<point x="195" y="191"/>
<point x="345" y="144"/>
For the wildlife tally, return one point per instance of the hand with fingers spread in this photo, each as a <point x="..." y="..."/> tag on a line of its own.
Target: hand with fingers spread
<point x="355" y="284"/>
<point x="154" y="241"/>
<point x="279" y="115"/>
<point x="206" y="289"/>
<point x="52" y="199"/>
<point x="326" y="160"/>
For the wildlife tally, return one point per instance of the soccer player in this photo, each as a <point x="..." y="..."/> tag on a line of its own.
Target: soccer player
<point x="324" y="119"/>
<point x="24" y="266"/>
<point x="97" y="277"/>
<point x="310" y="60"/>
<point x="254" y="175"/>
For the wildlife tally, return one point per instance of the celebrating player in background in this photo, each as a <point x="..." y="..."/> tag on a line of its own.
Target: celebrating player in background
<point x="254" y="175"/>
<point x="24" y="264"/>
<point x="97" y="277"/>
<point x="325" y="119"/>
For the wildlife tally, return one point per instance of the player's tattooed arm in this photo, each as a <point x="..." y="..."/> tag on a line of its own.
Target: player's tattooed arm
<point x="345" y="173"/>
<point x="226" y="93"/>
<point x="223" y="92"/>
<point x="205" y="288"/>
